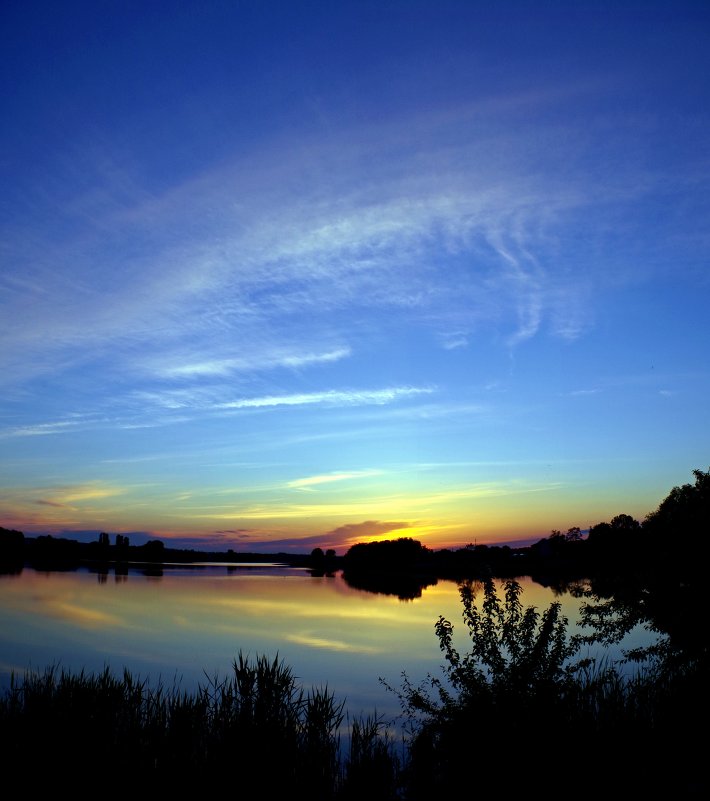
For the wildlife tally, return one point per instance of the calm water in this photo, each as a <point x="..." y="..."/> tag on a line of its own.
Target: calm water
<point x="190" y="622"/>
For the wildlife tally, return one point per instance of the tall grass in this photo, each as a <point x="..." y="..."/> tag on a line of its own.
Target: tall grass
<point x="256" y="725"/>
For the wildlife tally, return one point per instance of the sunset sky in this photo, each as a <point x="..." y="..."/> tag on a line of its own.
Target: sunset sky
<point x="276" y="275"/>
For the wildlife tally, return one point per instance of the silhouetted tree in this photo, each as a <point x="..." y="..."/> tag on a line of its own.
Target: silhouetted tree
<point x="683" y="517"/>
<point x="121" y="548"/>
<point x="404" y="553"/>
<point x="153" y="550"/>
<point x="53" y="551"/>
<point x="624" y="523"/>
<point x="618" y="544"/>
<point x="556" y="540"/>
<point x="602" y="534"/>
<point x="12" y="543"/>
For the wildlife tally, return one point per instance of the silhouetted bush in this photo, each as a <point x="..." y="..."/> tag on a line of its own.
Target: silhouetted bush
<point x="517" y="714"/>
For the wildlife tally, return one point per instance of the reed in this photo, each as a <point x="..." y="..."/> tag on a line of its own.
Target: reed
<point x="257" y="724"/>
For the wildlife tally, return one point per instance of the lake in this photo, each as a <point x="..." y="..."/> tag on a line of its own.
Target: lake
<point x="186" y="623"/>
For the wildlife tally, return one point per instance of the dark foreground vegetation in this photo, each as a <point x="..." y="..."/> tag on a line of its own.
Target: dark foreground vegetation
<point x="518" y="713"/>
<point x="257" y="727"/>
<point x="522" y="712"/>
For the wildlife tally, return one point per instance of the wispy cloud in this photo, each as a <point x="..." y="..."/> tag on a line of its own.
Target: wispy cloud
<point x="455" y="233"/>
<point x="329" y="398"/>
<point x="454" y="340"/>
<point x="39" y="429"/>
<point x="156" y="457"/>
<point x="385" y="504"/>
<point x="327" y="478"/>
<point x="213" y="399"/>
<point x="340" y="538"/>
<point x="87" y="492"/>
<point x="70" y="497"/>
<point x="355" y="532"/>
<point x="73" y="422"/>
<point x="225" y="367"/>
<point x="236" y="532"/>
<point x="307" y="359"/>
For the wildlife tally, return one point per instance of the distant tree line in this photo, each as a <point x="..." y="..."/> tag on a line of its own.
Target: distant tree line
<point x="47" y="551"/>
<point x="673" y="536"/>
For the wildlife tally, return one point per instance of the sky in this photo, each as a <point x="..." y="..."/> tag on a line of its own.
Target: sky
<point x="285" y="275"/>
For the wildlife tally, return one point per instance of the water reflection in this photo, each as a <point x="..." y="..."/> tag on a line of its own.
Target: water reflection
<point x="405" y="586"/>
<point x="183" y="622"/>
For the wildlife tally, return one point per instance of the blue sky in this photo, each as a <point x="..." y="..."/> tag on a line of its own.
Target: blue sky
<point x="276" y="275"/>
